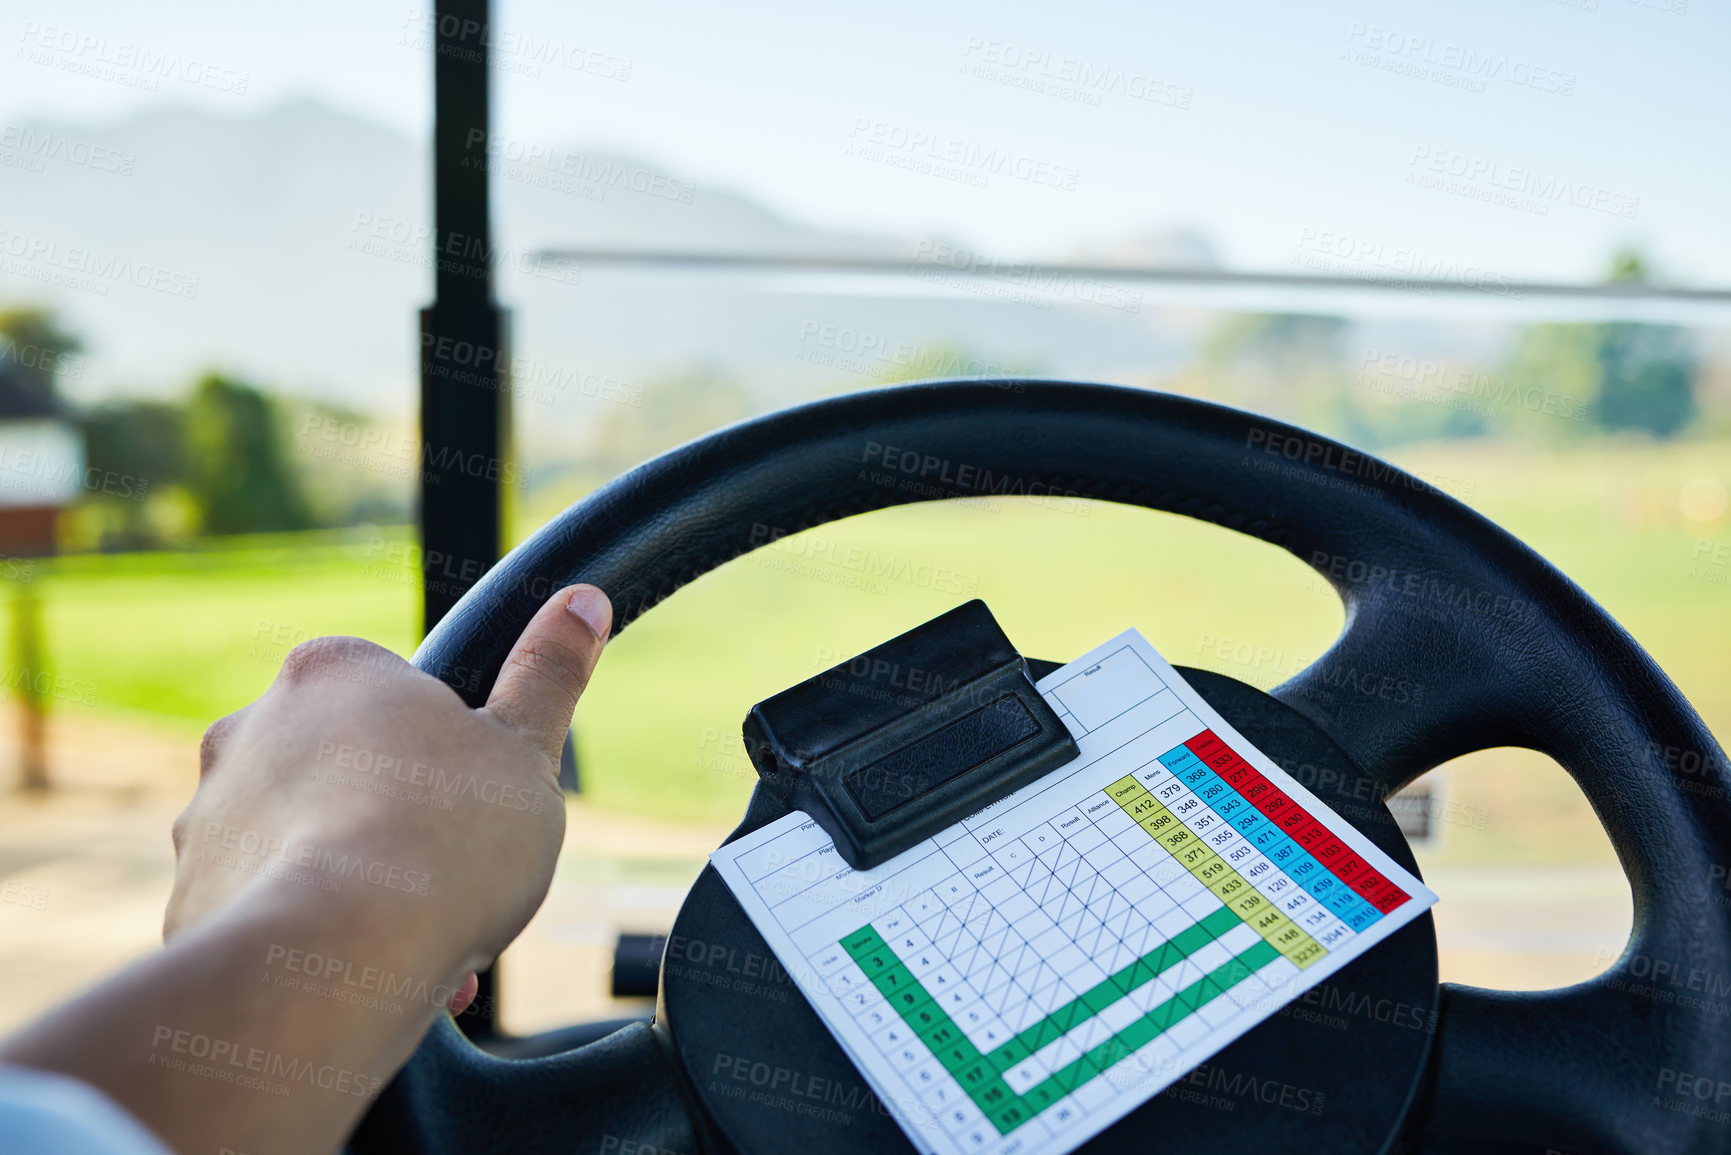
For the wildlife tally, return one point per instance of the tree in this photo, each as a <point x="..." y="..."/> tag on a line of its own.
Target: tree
<point x="142" y="439"/>
<point x="1646" y="378"/>
<point x="34" y="349"/>
<point x="674" y="411"/>
<point x="139" y="449"/>
<point x="1285" y="364"/>
<point x="1635" y="376"/>
<point x="239" y="477"/>
<point x="1555" y="363"/>
<point x="1277" y="343"/>
<point x="1646" y="372"/>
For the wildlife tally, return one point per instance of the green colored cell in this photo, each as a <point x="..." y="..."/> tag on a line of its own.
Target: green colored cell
<point x="1141" y="971"/>
<point x="1220" y="922"/>
<point x="1070" y="1077"/>
<point x="1100" y="997"/>
<point x="1126" y="979"/>
<point x="940" y="1035"/>
<point x="981" y="1075"/>
<point x="892" y="978"/>
<point x="959" y="1057"/>
<point x="1070" y="1014"/>
<point x="1139" y="1034"/>
<point x="1189" y="998"/>
<point x="876" y="961"/>
<point x="897" y="983"/>
<point x="924" y="1017"/>
<point x="862" y="940"/>
<point x="1040" y="1034"/>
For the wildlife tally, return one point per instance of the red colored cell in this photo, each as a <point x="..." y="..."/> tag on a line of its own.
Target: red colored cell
<point x="1329" y="851"/>
<point x="1347" y="867"/>
<point x="1297" y="822"/>
<point x="1380" y="892"/>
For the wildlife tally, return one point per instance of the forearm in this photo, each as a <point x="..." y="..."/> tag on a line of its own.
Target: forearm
<point x="267" y="1029"/>
<point x="280" y="1008"/>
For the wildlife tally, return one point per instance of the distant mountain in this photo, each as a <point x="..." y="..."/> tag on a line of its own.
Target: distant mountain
<point x="292" y="247"/>
<point x="217" y="241"/>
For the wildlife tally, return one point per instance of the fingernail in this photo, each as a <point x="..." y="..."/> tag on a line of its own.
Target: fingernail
<point x="592" y="606"/>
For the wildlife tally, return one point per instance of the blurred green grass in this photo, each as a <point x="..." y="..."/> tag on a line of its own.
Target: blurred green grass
<point x="181" y="638"/>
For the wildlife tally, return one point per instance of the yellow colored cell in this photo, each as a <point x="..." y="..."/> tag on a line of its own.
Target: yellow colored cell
<point x="1271" y="923"/>
<point x="1125" y="788"/>
<point x="1156" y="822"/>
<point x="1208" y="867"/>
<point x="1197" y="856"/>
<point x="1228" y="886"/>
<point x="1296" y="945"/>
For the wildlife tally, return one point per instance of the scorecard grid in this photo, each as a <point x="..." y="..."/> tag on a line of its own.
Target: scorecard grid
<point x="1040" y="978"/>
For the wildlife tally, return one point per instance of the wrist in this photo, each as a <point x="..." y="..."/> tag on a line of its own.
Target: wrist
<point x="270" y="1023"/>
<point x="360" y="944"/>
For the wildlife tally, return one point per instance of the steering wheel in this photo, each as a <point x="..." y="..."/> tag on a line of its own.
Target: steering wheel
<point x="1507" y="650"/>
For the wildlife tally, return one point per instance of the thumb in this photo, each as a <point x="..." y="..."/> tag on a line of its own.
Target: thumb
<point x="544" y="675"/>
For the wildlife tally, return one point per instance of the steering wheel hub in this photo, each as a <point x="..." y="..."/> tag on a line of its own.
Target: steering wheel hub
<point x="1335" y="1071"/>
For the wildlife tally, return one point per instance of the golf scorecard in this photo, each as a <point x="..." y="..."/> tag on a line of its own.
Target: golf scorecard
<point x="1028" y="975"/>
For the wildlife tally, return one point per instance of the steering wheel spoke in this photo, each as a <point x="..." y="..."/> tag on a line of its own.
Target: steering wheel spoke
<point x="1403" y="692"/>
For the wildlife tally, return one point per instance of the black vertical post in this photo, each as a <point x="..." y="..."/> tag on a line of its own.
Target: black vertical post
<point x="464" y="391"/>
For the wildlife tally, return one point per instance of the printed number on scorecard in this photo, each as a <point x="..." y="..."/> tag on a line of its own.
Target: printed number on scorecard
<point x="1033" y="973"/>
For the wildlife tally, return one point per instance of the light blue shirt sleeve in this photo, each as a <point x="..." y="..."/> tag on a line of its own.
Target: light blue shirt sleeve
<point x="44" y="1114"/>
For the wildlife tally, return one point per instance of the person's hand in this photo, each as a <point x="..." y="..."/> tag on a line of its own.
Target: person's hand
<point x="360" y="841"/>
<point x="364" y="789"/>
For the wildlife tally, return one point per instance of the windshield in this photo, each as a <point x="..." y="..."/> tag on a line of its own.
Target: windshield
<point x="1483" y="242"/>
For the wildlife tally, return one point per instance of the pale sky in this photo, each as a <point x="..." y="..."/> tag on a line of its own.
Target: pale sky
<point x="1549" y="133"/>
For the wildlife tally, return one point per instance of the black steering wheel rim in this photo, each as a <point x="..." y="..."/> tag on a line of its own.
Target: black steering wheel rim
<point x="1510" y="651"/>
